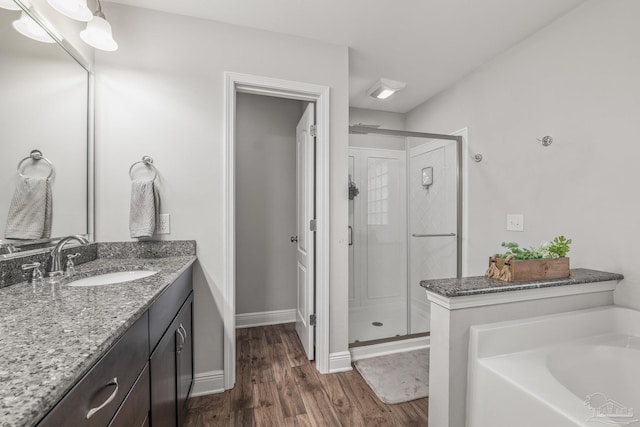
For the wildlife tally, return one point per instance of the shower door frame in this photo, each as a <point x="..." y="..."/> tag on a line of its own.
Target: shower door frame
<point x="459" y="173"/>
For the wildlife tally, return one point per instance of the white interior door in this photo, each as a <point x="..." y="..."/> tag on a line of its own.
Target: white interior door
<point x="305" y="172"/>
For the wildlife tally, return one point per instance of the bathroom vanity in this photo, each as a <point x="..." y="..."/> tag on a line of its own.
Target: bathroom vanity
<point x="457" y="304"/>
<point x="112" y="355"/>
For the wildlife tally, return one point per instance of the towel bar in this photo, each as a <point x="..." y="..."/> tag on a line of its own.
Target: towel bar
<point x="35" y="155"/>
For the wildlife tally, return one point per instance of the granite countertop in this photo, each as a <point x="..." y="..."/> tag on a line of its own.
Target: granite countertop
<point x="482" y="285"/>
<point x="51" y="335"/>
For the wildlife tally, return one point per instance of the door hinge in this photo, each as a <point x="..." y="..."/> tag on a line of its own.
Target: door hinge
<point x="313" y="225"/>
<point x="313" y="320"/>
<point x="314" y="131"/>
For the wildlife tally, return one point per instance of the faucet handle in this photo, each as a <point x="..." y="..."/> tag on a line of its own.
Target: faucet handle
<point x="70" y="266"/>
<point x="32" y="272"/>
<point x="71" y="257"/>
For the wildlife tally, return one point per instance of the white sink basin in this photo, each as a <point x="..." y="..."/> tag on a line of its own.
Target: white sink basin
<point x="113" y="278"/>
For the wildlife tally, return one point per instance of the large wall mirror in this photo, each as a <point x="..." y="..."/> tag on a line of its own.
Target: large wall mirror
<point x="44" y="106"/>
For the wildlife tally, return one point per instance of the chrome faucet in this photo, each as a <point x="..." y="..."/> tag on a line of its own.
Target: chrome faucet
<point x="56" y="268"/>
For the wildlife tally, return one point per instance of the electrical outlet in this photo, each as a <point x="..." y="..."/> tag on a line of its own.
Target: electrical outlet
<point x="515" y="222"/>
<point x="164" y="224"/>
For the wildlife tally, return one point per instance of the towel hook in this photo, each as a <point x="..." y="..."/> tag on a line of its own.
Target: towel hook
<point x="147" y="161"/>
<point x="35" y="155"/>
<point x="545" y="141"/>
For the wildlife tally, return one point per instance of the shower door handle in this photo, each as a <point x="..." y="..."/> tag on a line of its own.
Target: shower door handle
<point x="434" y="235"/>
<point x="350" y="236"/>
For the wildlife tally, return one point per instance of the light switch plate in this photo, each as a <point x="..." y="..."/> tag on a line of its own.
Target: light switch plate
<point x="515" y="222"/>
<point x="164" y="224"/>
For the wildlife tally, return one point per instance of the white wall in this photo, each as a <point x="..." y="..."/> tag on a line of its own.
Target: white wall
<point x="265" y="203"/>
<point x="162" y="94"/>
<point x="576" y="80"/>
<point x="384" y="120"/>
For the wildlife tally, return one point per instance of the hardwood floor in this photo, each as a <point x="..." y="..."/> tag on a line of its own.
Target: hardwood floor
<point x="277" y="386"/>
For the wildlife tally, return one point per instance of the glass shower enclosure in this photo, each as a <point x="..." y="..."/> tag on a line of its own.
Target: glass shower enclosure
<point x="405" y="225"/>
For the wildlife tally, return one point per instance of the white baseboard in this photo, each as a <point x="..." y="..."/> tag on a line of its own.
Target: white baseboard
<point x="374" y="350"/>
<point x="263" y="318"/>
<point x="211" y="382"/>
<point x="339" y="362"/>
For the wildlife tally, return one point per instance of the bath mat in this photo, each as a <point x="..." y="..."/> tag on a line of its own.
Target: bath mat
<point x="399" y="377"/>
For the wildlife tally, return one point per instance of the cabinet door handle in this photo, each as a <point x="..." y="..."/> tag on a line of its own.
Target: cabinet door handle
<point x="181" y="336"/>
<point x="92" y="411"/>
<point x="184" y="331"/>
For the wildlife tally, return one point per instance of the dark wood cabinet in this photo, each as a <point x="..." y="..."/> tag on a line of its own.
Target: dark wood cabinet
<point x="184" y="354"/>
<point x="97" y="396"/>
<point x="146" y="377"/>
<point x="135" y="409"/>
<point x="171" y="368"/>
<point x="163" y="382"/>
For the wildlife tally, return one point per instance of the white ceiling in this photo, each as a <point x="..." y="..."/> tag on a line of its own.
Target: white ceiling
<point x="429" y="44"/>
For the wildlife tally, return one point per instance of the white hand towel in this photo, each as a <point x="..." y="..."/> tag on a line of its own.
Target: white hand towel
<point x="144" y="207"/>
<point x="31" y="210"/>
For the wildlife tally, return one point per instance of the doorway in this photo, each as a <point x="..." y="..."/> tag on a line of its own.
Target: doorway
<point x="317" y="219"/>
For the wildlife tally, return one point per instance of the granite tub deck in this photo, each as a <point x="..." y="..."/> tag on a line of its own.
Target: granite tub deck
<point x="51" y="335"/>
<point x="482" y="285"/>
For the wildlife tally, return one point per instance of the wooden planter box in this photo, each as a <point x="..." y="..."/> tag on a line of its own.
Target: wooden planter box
<point x="536" y="269"/>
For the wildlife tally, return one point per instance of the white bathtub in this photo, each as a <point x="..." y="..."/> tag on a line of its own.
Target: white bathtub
<point x="580" y="368"/>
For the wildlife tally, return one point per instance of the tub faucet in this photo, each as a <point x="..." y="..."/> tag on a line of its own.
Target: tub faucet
<point x="56" y="254"/>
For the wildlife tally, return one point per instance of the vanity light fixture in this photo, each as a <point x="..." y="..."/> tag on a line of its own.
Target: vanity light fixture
<point x="9" y="5"/>
<point x="30" y="28"/>
<point x="74" y="9"/>
<point x="98" y="32"/>
<point x="384" y="88"/>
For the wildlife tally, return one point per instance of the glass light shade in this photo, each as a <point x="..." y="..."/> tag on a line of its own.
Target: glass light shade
<point x="74" y="9"/>
<point x="98" y="35"/>
<point x="9" y="5"/>
<point x="30" y="28"/>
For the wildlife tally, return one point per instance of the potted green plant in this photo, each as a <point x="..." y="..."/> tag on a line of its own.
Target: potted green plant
<point x="548" y="261"/>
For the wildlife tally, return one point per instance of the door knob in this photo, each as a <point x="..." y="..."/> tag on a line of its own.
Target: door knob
<point x="294" y="239"/>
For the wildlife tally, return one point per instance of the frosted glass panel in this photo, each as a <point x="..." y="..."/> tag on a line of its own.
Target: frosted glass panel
<point x="378" y="264"/>
<point x="432" y="211"/>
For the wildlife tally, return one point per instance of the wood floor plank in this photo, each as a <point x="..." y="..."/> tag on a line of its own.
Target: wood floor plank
<point x="277" y="386"/>
<point x="266" y="405"/>
<point x="317" y="403"/>
<point x="342" y="403"/>
<point x="241" y="395"/>
<point x="261" y="358"/>
<point x="289" y="396"/>
<point x="295" y="352"/>
<point x="374" y="412"/>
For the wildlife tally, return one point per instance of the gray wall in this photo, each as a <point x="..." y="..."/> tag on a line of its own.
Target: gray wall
<point x="265" y="203"/>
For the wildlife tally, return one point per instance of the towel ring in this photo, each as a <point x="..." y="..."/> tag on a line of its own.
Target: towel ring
<point x="147" y="161"/>
<point x="35" y="155"/>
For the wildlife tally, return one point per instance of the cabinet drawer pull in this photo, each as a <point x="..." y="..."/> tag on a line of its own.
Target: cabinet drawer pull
<point x="182" y="337"/>
<point x="92" y="411"/>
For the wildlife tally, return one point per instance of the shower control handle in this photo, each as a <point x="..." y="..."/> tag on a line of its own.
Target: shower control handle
<point x="294" y="239"/>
